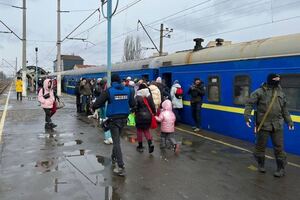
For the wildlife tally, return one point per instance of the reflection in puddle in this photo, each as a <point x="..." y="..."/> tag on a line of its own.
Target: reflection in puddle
<point x="54" y="135"/>
<point x="72" y="143"/>
<point x="187" y="142"/>
<point x="79" y="152"/>
<point x="130" y="138"/>
<point x="46" y="165"/>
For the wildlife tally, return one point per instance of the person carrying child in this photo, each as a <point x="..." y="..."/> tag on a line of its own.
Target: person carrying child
<point x="167" y="119"/>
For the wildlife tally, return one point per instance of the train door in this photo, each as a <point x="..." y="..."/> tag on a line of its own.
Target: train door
<point x="167" y="77"/>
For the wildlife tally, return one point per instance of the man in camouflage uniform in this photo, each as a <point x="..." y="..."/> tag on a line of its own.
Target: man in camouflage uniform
<point x="273" y="124"/>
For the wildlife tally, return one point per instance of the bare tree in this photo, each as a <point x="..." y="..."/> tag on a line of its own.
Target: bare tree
<point x="132" y="48"/>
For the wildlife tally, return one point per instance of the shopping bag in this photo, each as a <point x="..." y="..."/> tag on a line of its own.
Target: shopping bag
<point x="131" y="119"/>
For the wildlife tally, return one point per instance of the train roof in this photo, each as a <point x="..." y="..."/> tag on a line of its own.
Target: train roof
<point x="287" y="45"/>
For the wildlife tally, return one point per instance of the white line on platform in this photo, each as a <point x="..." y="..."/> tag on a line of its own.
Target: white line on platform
<point x="4" y="114"/>
<point x="230" y="145"/>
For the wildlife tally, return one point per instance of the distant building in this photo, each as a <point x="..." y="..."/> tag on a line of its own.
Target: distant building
<point x="83" y="66"/>
<point x="68" y="62"/>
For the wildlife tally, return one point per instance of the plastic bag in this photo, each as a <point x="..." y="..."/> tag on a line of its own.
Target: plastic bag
<point x="131" y="119"/>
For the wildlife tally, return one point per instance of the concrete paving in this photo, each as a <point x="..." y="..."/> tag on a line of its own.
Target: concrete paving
<point x="73" y="163"/>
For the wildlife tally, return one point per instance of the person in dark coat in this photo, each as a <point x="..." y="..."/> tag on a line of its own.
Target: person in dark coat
<point x="77" y="94"/>
<point x="144" y="116"/>
<point x="197" y="92"/>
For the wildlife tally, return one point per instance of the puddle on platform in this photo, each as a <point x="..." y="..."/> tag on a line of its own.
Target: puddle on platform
<point x="54" y="135"/>
<point x="186" y="142"/>
<point x="46" y="165"/>
<point x="72" y="143"/>
<point x="79" y="152"/>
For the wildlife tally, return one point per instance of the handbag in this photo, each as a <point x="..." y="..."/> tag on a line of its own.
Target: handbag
<point x="153" y="120"/>
<point x="131" y="119"/>
<point x="59" y="104"/>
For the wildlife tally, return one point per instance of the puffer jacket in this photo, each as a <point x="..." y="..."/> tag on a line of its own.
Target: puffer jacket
<point x="167" y="117"/>
<point x="155" y="95"/>
<point x="143" y="116"/>
<point x="177" y="103"/>
<point x="46" y="103"/>
<point x="19" y="86"/>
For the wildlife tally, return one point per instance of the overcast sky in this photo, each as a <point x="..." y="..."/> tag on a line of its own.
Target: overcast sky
<point x="233" y="20"/>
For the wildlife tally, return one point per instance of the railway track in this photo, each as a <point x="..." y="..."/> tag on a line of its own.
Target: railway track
<point x="3" y="85"/>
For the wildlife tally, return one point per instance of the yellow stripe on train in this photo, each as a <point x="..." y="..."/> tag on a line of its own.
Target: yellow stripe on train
<point x="295" y="118"/>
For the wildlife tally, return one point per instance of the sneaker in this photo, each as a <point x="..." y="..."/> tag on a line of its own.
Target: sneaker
<point x="196" y="130"/>
<point x="110" y="140"/>
<point x="106" y="141"/>
<point x="176" y="148"/>
<point x="120" y="171"/>
<point x="194" y="127"/>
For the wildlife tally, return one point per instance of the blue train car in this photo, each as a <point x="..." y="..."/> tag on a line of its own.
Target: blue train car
<point x="230" y="73"/>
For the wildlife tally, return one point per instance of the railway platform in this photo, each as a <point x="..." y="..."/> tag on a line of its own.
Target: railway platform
<point x="72" y="162"/>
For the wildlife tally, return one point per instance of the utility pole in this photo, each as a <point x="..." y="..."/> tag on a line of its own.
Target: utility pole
<point x="16" y="65"/>
<point x="109" y="16"/>
<point x="161" y="40"/>
<point x="162" y="35"/>
<point x="36" y="69"/>
<point x="58" y="59"/>
<point x="24" y="67"/>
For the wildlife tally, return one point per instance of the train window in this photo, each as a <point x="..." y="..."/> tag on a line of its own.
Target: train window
<point x="290" y="84"/>
<point x="214" y="89"/>
<point x="241" y="89"/>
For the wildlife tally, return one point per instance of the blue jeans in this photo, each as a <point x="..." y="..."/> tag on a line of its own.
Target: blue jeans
<point x="85" y="101"/>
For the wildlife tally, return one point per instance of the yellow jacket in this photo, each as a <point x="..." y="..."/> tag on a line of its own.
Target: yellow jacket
<point x="19" y="86"/>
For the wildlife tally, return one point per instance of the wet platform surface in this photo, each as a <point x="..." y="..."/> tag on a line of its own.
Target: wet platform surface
<point x="73" y="163"/>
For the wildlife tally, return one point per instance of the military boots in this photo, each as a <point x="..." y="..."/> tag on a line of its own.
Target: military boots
<point x="280" y="172"/>
<point x="261" y="163"/>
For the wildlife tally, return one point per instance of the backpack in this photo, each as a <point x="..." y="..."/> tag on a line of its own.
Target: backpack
<point x="179" y="93"/>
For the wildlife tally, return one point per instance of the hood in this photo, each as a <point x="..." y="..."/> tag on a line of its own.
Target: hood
<point x="167" y="105"/>
<point x="177" y="85"/>
<point x="118" y="86"/>
<point x="143" y="92"/>
<point x="46" y="84"/>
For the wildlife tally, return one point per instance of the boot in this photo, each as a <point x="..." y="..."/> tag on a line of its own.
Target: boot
<point x="140" y="147"/>
<point x="53" y="125"/>
<point x="261" y="163"/>
<point x="151" y="146"/>
<point x="280" y="172"/>
<point x="48" y="126"/>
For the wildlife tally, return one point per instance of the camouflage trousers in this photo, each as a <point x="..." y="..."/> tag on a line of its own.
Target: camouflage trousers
<point x="277" y="141"/>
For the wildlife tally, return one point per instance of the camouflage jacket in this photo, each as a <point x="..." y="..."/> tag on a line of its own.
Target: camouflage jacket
<point x="260" y="100"/>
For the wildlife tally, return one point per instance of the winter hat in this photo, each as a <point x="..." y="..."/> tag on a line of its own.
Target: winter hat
<point x="99" y="79"/>
<point x="270" y="80"/>
<point x="158" y="80"/>
<point x="176" y="82"/>
<point x="197" y="79"/>
<point x="115" y="78"/>
<point x="142" y="86"/>
<point x="128" y="78"/>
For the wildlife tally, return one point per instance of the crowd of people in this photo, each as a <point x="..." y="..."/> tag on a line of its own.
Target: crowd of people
<point x="151" y="102"/>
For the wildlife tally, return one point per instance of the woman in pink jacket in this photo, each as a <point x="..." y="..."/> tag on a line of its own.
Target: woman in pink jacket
<point x="47" y="98"/>
<point x="167" y="119"/>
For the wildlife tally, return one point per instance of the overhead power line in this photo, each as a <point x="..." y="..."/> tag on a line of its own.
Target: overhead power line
<point x="10" y="30"/>
<point x="97" y="10"/>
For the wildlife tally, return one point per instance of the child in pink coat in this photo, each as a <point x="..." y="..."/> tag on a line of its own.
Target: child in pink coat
<point x="167" y="119"/>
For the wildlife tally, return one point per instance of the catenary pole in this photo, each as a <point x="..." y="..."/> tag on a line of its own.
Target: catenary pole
<point x="24" y="67"/>
<point x="58" y="59"/>
<point x="109" y="16"/>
